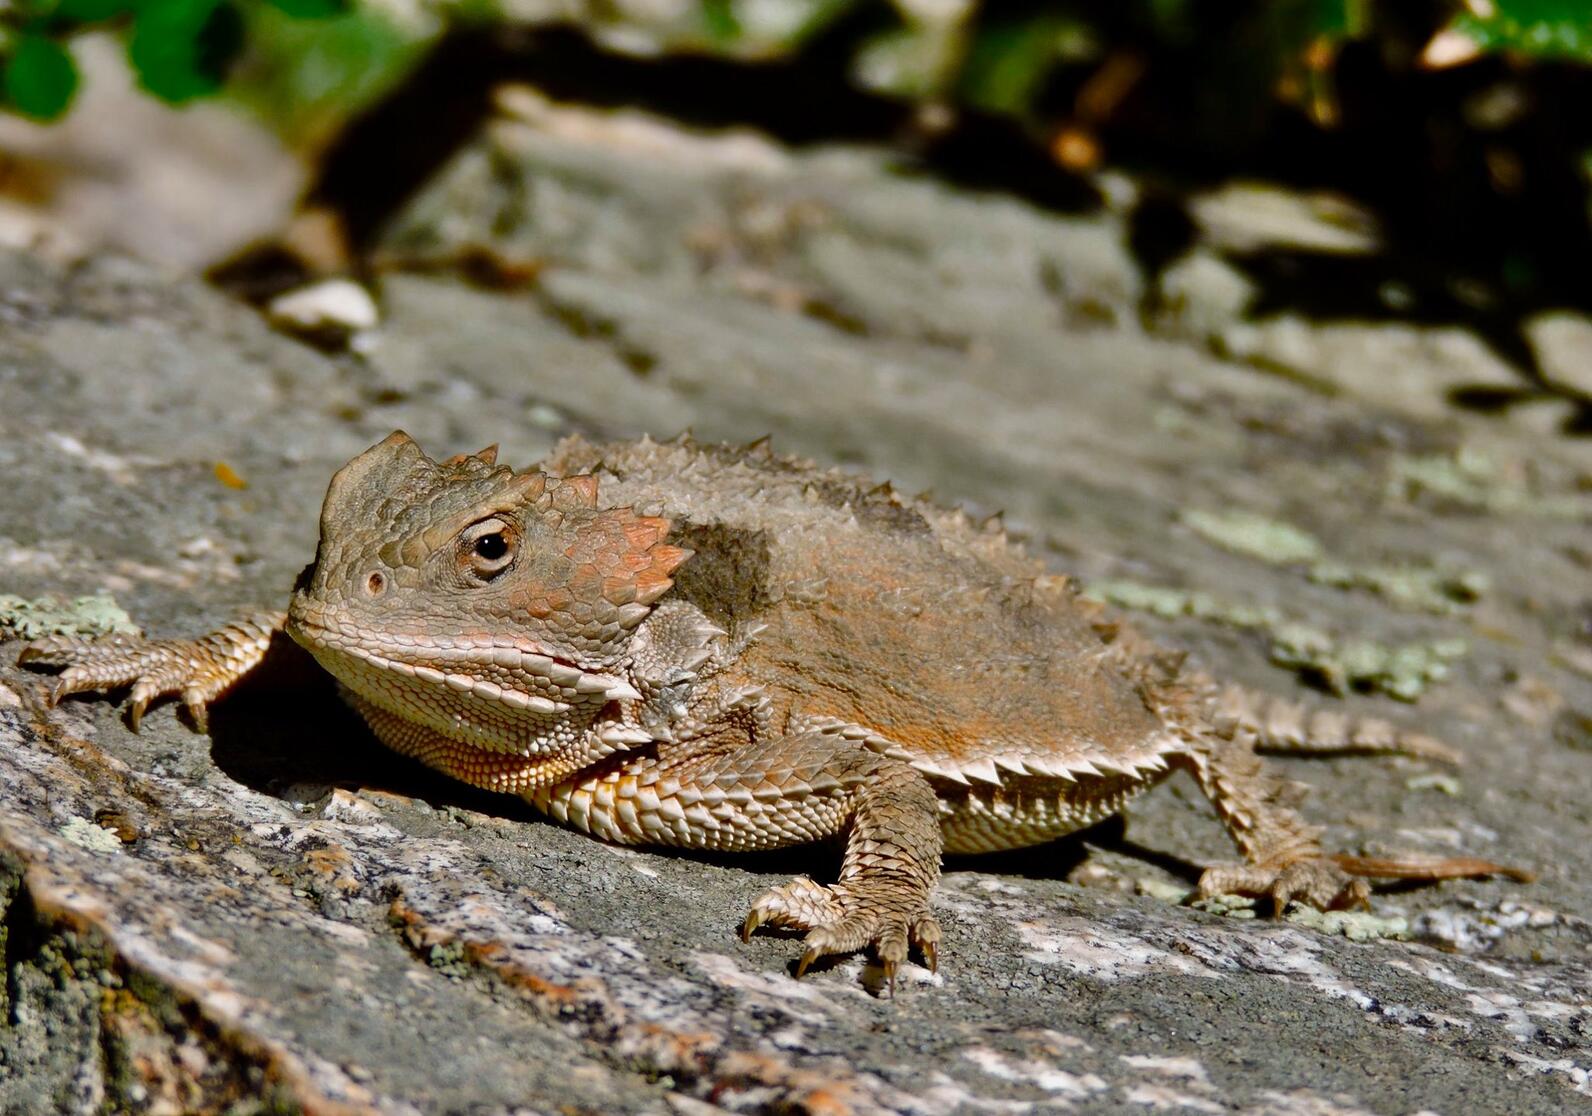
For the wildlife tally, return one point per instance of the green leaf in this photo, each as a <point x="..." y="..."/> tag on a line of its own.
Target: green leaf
<point x="305" y="78"/>
<point x="1008" y="62"/>
<point x="1171" y="19"/>
<point x="1548" y="28"/>
<point x="311" y="9"/>
<point x="40" y="77"/>
<point x="720" y="20"/>
<point x="90" y="11"/>
<point x="181" y="49"/>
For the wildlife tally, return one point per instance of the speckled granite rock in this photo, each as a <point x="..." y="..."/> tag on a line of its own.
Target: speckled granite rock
<point x="285" y="917"/>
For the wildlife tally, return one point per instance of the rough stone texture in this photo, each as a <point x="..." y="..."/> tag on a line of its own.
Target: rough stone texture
<point x="287" y="915"/>
<point x="1563" y="344"/>
<point x="123" y="171"/>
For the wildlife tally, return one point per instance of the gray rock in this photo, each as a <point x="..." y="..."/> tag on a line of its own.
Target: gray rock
<point x="289" y="915"/>
<point x="1563" y="345"/>
<point x="1248" y="216"/>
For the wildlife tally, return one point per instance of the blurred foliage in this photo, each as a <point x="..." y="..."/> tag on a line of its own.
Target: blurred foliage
<point x="1285" y="48"/>
<point x="310" y="66"/>
<point x="1547" y="28"/>
<point x="39" y="77"/>
<point x="179" y="49"/>
<point x="300" y="62"/>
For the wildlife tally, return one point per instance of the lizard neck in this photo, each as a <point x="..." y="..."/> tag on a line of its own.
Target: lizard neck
<point x="490" y="768"/>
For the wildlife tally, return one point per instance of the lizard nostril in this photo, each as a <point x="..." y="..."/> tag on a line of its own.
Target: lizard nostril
<point x="375" y="584"/>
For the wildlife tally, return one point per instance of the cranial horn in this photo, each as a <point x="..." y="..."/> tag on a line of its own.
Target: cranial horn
<point x="487" y="456"/>
<point x="579" y="491"/>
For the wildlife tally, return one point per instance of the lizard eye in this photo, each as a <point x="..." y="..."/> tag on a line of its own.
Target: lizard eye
<point x="488" y="547"/>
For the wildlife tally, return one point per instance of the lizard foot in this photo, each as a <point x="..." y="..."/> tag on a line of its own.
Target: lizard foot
<point x="1314" y="881"/>
<point x="198" y="670"/>
<point x="844" y="918"/>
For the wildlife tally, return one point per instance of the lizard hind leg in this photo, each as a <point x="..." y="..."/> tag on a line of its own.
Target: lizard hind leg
<point x="1282" y="852"/>
<point x="1283" y="857"/>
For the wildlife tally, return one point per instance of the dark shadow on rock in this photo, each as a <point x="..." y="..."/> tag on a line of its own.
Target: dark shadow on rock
<point x="286" y="726"/>
<point x="1472" y="174"/>
<point x="1058" y="859"/>
<point x="1381" y="288"/>
<point x="1054" y="860"/>
<point x="1160" y="230"/>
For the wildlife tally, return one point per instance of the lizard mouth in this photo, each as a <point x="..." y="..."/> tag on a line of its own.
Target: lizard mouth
<point x="497" y="692"/>
<point x="495" y="712"/>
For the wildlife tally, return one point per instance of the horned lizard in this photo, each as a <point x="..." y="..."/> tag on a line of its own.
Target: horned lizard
<point x="715" y="647"/>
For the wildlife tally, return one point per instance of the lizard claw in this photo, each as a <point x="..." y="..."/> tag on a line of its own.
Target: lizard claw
<point x="1314" y="881"/>
<point x="754" y="919"/>
<point x="1331" y="883"/>
<point x="197" y="670"/>
<point x="844" y="918"/>
<point x="136" y="708"/>
<point x="811" y="954"/>
<point x="926" y="936"/>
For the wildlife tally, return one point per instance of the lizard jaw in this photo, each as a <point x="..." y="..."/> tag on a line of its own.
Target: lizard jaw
<point x="496" y="694"/>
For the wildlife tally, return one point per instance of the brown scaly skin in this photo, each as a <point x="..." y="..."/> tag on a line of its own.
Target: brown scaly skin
<point x="805" y="657"/>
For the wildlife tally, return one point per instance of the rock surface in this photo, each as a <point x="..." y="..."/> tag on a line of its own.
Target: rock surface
<point x="285" y="917"/>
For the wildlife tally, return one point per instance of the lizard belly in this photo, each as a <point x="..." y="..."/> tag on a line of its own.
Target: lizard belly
<point x="1024" y="812"/>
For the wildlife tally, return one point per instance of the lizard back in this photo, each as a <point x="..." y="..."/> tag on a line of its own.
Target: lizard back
<point x="944" y="641"/>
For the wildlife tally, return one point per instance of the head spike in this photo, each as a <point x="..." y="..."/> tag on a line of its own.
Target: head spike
<point x="655" y="581"/>
<point x="579" y="491"/>
<point x="358" y="490"/>
<point x="487" y="457"/>
<point x="395" y="439"/>
<point x="668" y="558"/>
<point x="647" y="531"/>
<point x="527" y="486"/>
<point x="760" y="449"/>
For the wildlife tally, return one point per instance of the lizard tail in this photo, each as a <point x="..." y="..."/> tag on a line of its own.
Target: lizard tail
<point x="1416" y="867"/>
<point x="1280" y="725"/>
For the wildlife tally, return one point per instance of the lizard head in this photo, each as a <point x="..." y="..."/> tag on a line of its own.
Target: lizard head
<point x="447" y="590"/>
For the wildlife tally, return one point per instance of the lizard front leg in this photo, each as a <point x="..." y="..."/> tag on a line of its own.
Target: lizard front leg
<point x="200" y="670"/>
<point x="789" y="790"/>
